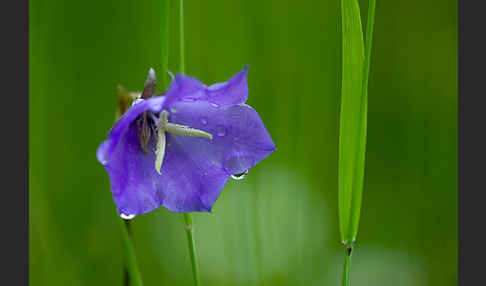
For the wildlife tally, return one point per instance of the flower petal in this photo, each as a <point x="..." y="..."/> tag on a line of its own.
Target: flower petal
<point x="188" y="184"/>
<point x="153" y="104"/>
<point x="234" y="91"/>
<point x="183" y="186"/>
<point x="186" y="88"/>
<point x="132" y="173"/>
<point x="194" y="170"/>
<point x="240" y="139"/>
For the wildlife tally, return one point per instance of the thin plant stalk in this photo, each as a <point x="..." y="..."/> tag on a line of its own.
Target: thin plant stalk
<point x="181" y="38"/>
<point x="126" y="275"/>
<point x="134" y="277"/>
<point x="347" y="266"/>
<point x="192" y="247"/>
<point x="164" y="40"/>
<point x="187" y="216"/>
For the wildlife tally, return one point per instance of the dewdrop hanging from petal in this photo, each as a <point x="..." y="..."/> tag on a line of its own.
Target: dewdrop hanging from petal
<point x="179" y="148"/>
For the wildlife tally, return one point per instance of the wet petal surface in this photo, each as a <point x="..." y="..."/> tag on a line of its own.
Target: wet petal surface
<point x="194" y="169"/>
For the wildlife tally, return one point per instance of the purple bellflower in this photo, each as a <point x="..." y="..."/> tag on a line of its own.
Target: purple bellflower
<point x="179" y="148"/>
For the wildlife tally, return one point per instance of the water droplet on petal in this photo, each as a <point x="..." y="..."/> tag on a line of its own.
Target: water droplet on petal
<point x="101" y="157"/>
<point x="238" y="163"/>
<point x="251" y="124"/>
<point x="214" y="105"/>
<point x="101" y="153"/>
<point x="173" y="110"/>
<point x="220" y="131"/>
<point x="239" y="176"/>
<point x="127" y="216"/>
<point x="204" y="121"/>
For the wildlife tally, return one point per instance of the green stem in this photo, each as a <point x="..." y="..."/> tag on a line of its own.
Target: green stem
<point x="181" y="39"/>
<point x="346" y="266"/>
<point x="126" y="275"/>
<point x="192" y="247"/>
<point x="130" y="258"/>
<point x="164" y="40"/>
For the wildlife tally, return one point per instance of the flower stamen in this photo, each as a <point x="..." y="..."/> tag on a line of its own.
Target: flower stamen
<point x="186" y="131"/>
<point x="144" y="132"/>
<point x="163" y="125"/>
<point x="160" y="151"/>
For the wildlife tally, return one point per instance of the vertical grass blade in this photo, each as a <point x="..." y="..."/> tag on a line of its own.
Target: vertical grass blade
<point x="352" y="135"/>
<point x="353" y="123"/>
<point x="181" y="38"/>
<point x="164" y="41"/>
<point x="370" y="23"/>
<point x="356" y="204"/>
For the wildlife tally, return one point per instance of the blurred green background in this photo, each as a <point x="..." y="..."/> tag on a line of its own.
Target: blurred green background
<point x="279" y="225"/>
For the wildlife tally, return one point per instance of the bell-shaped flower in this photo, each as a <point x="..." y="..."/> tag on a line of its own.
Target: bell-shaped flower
<point x="178" y="149"/>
